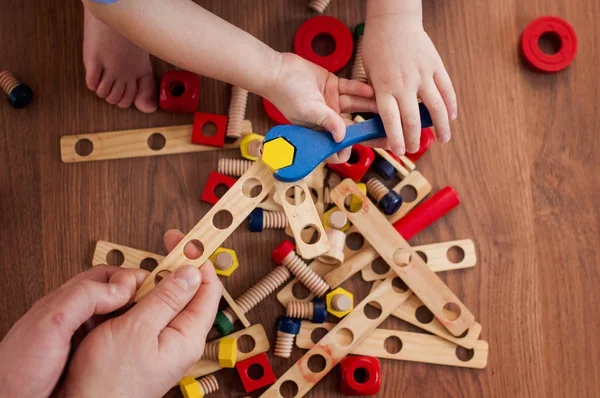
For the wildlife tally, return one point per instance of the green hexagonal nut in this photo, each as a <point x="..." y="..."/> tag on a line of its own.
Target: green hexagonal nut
<point x="340" y="297"/>
<point x="223" y="324"/>
<point x="359" y="30"/>
<point x="278" y="153"/>
<point x="225" y="261"/>
<point x="228" y="352"/>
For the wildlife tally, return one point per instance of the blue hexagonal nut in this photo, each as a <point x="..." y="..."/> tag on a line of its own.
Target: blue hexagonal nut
<point x="390" y="203"/>
<point x="319" y="311"/>
<point x="288" y="325"/>
<point x="384" y="168"/>
<point x="255" y="220"/>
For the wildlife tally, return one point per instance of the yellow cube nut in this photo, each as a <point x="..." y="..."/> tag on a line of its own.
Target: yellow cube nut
<point x="225" y="261"/>
<point x="228" y="352"/>
<point x="356" y="203"/>
<point x="326" y="219"/>
<point x="340" y="302"/>
<point x="278" y="153"/>
<point x="190" y="388"/>
<point x="250" y="146"/>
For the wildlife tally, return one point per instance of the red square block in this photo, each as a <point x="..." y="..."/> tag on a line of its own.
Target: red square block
<point x="361" y="159"/>
<point x="212" y="135"/>
<point x="214" y="180"/>
<point x="261" y="361"/>
<point x="360" y="376"/>
<point x="179" y="92"/>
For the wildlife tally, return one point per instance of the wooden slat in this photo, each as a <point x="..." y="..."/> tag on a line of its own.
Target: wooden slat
<point x="132" y="257"/>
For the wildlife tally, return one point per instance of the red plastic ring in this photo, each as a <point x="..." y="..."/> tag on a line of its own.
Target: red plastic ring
<point x="533" y="54"/>
<point x="325" y="25"/>
<point x="273" y="113"/>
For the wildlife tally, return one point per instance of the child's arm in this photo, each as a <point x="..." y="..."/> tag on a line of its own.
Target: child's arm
<point x="403" y="65"/>
<point x="186" y="35"/>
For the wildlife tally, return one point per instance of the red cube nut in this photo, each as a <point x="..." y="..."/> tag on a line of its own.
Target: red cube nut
<point x="210" y="138"/>
<point x="356" y="167"/>
<point x="179" y="92"/>
<point x="261" y="361"/>
<point x="214" y="180"/>
<point x="280" y="252"/>
<point x="360" y="376"/>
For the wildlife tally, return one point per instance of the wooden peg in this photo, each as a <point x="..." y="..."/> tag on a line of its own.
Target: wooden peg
<point x="335" y="254"/>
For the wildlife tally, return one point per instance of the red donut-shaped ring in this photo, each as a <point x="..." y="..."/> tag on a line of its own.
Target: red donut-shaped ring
<point x="325" y="25"/>
<point x="532" y="53"/>
<point x="273" y="113"/>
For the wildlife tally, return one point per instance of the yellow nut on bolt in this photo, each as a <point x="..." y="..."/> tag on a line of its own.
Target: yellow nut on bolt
<point x="228" y="352"/>
<point x="190" y="388"/>
<point x="225" y="261"/>
<point x="278" y="153"/>
<point x="250" y="146"/>
<point x="340" y="302"/>
<point x="326" y="219"/>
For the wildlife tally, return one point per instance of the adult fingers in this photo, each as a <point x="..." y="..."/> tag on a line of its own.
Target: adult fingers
<point x="351" y="104"/>
<point x="387" y="106"/>
<point x="437" y="109"/>
<point x="324" y="116"/>
<point x="355" y="88"/>
<point x="446" y="89"/>
<point x="411" y="121"/>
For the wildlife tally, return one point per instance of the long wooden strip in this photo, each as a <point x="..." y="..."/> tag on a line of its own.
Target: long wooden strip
<point x="394" y="249"/>
<point x="236" y="308"/>
<point x="302" y="215"/>
<point x="261" y="344"/>
<point x="340" y="341"/>
<point x="135" y="143"/>
<point x="413" y="308"/>
<point x="234" y="206"/>
<point x="405" y="346"/>
<point x="435" y="256"/>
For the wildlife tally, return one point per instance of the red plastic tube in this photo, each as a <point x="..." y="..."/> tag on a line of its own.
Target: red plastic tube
<point x="427" y="213"/>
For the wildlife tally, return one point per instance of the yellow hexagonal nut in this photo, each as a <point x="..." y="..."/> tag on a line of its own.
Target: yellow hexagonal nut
<point x="250" y="144"/>
<point x="225" y="261"/>
<point x="278" y="153"/>
<point x="339" y="297"/>
<point x="326" y="219"/>
<point x="355" y="202"/>
<point x="228" y="352"/>
<point x="190" y="388"/>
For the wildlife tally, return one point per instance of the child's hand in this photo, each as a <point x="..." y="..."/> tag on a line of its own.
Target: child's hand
<point x="308" y="95"/>
<point x="144" y="352"/>
<point x="403" y="64"/>
<point x="36" y="349"/>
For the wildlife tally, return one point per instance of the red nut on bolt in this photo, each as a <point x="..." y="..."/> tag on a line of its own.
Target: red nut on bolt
<point x="360" y="376"/>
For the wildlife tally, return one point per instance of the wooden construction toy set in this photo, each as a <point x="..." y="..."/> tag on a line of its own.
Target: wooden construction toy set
<point x="279" y="182"/>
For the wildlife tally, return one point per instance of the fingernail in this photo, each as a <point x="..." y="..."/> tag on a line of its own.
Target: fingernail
<point x="188" y="277"/>
<point x="444" y="138"/>
<point x="119" y="289"/>
<point x="453" y="116"/>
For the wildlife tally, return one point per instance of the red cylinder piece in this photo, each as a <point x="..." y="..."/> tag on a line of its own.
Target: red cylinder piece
<point x="357" y="166"/>
<point x="281" y="251"/>
<point x="533" y="54"/>
<point x="329" y="26"/>
<point x="273" y="113"/>
<point x="427" y="138"/>
<point x="179" y="91"/>
<point x="427" y="213"/>
<point x="360" y="376"/>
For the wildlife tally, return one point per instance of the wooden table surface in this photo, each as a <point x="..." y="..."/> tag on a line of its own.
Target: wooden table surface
<point x="524" y="159"/>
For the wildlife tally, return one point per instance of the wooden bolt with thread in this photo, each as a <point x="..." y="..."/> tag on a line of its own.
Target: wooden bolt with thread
<point x="358" y="68"/>
<point x="260" y="219"/>
<point x="192" y="388"/>
<point x="233" y="167"/>
<point x="287" y="330"/>
<point x="315" y="311"/>
<point x="337" y="238"/>
<point x="387" y="200"/>
<point x="19" y="94"/>
<point x="285" y="254"/>
<point x="318" y="5"/>
<point x="223" y="261"/>
<point x="237" y="111"/>
<point x="341" y="302"/>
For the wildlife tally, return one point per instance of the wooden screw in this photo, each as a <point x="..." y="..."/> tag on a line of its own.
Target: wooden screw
<point x="237" y="111"/>
<point x="233" y="167"/>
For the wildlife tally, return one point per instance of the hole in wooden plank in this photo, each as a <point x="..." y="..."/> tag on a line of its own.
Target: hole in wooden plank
<point x="466" y="332"/>
<point x="372" y="310"/>
<point x="220" y="190"/>
<point x="300" y="291"/>
<point x="350" y="205"/>
<point x="176" y="88"/>
<point x="361" y="375"/>
<point x="455" y="254"/>
<point x="193" y="249"/>
<point x="402" y="257"/>
<point x="379" y="266"/>
<point x="209" y="129"/>
<point x="148" y="264"/>
<point x="256" y="371"/>
<point x="422" y="255"/>
<point x="424" y="315"/>
<point x="115" y="257"/>
<point x="314" y="195"/>
<point x="408" y="193"/>
<point x="316" y="363"/>
<point x="550" y="43"/>
<point x="156" y="141"/>
<point x="392" y="344"/>
<point x="310" y="234"/>
<point x="355" y="241"/>
<point x="84" y="147"/>
<point x="323" y="44"/>
<point x="344" y="337"/>
<point x="246" y="343"/>
<point x="295" y="195"/>
<point x="288" y="389"/>
<point x="222" y="219"/>
<point x="399" y="286"/>
<point x="252" y="188"/>
<point x="451" y="311"/>
<point x="160" y="275"/>
<point x="464" y="354"/>
<point x="317" y="334"/>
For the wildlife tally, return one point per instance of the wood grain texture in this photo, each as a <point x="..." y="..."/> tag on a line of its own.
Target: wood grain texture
<point x="523" y="157"/>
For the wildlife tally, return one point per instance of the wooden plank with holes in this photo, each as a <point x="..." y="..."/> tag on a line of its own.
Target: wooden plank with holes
<point x="422" y="188"/>
<point x="435" y="256"/>
<point x="132" y="258"/>
<point x="302" y="214"/>
<point x="261" y="344"/>
<point x="405" y="346"/>
<point x="316" y="182"/>
<point x="135" y="143"/>
<point x="271" y="202"/>
<point x="413" y="311"/>
<point x="401" y="171"/>
<point x="236" y="308"/>
<point x="407" y="163"/>
<point x="341" y="340"/>
<point x="405" y="262"/>
<point x="234" y="206"/>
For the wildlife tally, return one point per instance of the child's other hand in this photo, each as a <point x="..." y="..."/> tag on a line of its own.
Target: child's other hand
<point x="403" y="64"/>
<point x="308" y="95"/>
<point x="144" y="352"/>
<point x="35" y="351"/>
